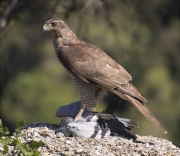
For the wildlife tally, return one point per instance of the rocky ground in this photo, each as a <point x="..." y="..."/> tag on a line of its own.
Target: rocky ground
<point x="57" y="144"/>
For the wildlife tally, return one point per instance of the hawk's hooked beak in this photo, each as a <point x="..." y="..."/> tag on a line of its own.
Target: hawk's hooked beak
<point x="45" y="28"/>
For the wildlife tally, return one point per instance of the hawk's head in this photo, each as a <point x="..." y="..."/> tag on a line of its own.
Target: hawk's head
<point x="57" y="27"/>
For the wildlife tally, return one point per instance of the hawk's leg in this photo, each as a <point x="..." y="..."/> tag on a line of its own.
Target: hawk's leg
<point x="87" y="93"/>
<point x="79" y="114"/>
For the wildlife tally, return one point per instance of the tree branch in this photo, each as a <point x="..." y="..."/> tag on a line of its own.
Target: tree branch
<point x="6" y="15"/>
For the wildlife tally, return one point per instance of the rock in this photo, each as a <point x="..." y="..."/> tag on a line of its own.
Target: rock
<point x="108" y="146"/>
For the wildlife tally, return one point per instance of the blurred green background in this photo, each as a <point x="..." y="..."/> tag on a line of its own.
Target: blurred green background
<point x="142" y="36"/>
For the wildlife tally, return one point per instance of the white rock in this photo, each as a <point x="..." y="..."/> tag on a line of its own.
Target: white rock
<point x="36" y="133"/>
<point x="68" y="141"/>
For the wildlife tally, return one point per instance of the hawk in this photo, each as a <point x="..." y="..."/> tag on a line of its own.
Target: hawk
<point x="93" y="71"/>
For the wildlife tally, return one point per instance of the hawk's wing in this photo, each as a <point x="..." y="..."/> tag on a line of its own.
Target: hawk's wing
<point x="91" y="64"/>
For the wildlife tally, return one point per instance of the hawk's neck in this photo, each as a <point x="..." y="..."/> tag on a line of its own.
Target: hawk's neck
<point x="66" y="41"/>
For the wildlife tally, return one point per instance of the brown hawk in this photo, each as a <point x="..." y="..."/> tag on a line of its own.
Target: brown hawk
<point x="93" y="71"/>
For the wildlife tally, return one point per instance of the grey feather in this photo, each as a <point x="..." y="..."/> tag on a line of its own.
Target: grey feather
<point x="88" y="125"/>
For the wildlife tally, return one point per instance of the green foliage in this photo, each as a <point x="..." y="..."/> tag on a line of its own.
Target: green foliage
<point x="35" y="145"/>
<point x="19" y="126"/>
<point x="28" y="150"/>
<point x="3" y="130"/>
<point x="5" y="141"/>
<point x="4" y="138"/>
<point x="6" y="149"/>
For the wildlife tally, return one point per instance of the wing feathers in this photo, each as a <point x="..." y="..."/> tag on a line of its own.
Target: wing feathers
<point x="125" y="89"/>
<point x="146" y="112"/>
<point x="94" y="66"/>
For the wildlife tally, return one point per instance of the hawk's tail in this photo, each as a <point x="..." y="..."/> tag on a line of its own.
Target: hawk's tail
<point x="146" y="112"/>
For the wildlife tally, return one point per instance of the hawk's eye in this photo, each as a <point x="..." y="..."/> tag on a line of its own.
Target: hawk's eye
<point x="54" y="24"/>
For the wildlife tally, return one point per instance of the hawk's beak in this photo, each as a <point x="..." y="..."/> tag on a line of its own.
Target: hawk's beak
<point x="45" y="28"/>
